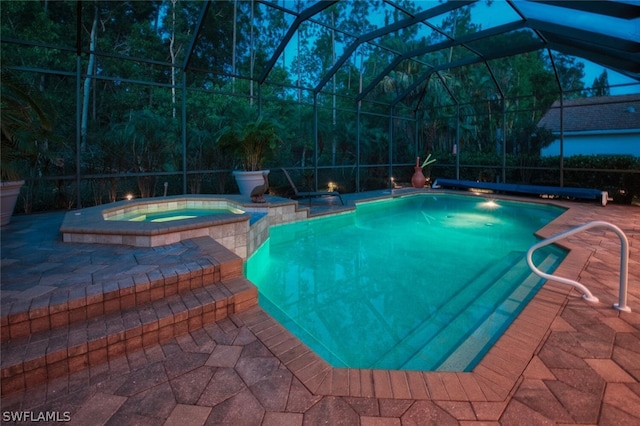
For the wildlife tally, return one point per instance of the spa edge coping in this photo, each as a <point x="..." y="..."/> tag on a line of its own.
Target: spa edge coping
<point x="91" y="220"/>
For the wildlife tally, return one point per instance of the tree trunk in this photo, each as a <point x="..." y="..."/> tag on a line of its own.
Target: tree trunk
<point x="334" y="142"/>
<point x="252" y="56"/>
<point x="87" y="82"/>
<point x="233" y="54"/>
<point x="173" y="58"/>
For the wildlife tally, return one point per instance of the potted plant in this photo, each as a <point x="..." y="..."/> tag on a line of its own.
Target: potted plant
<point x="418" y="180"/>
<point x="25" y="127"/>
<point x="252" y="144"/>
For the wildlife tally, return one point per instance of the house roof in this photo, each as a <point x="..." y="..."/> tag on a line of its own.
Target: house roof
<point x="596" y="113"/>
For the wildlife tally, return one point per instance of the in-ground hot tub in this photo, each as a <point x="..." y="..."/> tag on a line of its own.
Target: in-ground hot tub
<point x="182" y="218"/>
<point x="155" y="212"/>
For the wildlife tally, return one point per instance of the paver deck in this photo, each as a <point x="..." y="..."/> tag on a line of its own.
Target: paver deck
<point x="563" y="361"/>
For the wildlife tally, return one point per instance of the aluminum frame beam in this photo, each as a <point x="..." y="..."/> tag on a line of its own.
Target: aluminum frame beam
<point x="303" y="16"/>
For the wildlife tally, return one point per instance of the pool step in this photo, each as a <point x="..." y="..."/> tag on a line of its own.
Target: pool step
<point x="415" y="340"/>
<point x="198" y="262"/>
<point x="475" y="344"/>
<point x="297" y="328"/>
<point x="49" y="354"/>
<point x="157" y="311"/>
<point x="480" y="321"/>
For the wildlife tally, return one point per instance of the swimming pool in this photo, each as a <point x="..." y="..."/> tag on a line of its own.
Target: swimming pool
<point x="424" y="282"/>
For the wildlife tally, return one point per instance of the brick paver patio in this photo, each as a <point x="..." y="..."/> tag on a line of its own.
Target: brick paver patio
<point x="563" y="361"/>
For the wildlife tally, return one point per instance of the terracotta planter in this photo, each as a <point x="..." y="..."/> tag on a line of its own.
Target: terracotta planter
<point x="9" y="192"/>
<point x="418" y="180"/>
<point x="248" y="180"/>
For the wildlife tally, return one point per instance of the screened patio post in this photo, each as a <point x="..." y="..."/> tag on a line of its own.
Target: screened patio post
<point x="391" y="115"/>
<point x="503" y="142"/>
<point x="78" y="131"/>
<point x="561" y="137"/>
<point x="315" y="141"/>
<point x="416" y="137"/>
<point x="184" y="131"/>
<point x="561" y="91"/>
<point x="457" y="144"/>
<point x="358" y="106"/>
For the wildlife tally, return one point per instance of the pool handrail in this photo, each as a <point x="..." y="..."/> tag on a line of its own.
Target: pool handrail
<point x="587" y="295"/>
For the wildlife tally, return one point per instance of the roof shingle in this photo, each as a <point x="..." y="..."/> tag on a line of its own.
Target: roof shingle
<point x="596" y="113"/>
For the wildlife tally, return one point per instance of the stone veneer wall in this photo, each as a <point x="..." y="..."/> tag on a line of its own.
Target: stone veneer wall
<point x="258" y="234"/>
<point x="233" y="236"/>
<point x="242" y="237"/>
<point x="259" y="231"/>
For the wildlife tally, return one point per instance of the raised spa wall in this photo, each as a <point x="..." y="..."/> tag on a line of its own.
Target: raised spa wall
<point x="240" y="233"/>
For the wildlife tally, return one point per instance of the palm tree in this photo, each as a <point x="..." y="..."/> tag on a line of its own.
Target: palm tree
<point x="25" y="126"/>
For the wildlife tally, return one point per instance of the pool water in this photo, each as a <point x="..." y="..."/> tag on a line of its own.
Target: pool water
<point x="171" y="215"/>
<point x="426" y="282"/>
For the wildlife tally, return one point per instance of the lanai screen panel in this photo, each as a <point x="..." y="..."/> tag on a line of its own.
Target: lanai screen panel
<point x="53" y="27"/>
<point x="399" y="83"/>
<point x="43" y="42"/>
<point x="604" y="32"/>
<point x="343" y="66"/>
<point x="222" y="45"/>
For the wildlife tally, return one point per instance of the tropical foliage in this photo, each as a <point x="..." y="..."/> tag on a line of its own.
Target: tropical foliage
<point x="252" y="142"/>
<point x="152" y="102"/>
<point x="25" y="128"/>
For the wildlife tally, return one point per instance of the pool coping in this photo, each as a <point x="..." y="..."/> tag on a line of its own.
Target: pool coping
<point x="494" y="379"/>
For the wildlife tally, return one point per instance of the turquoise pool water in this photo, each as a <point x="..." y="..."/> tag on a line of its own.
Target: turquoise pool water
<point x="425" y="282"/>
<point x="143" y="215"/>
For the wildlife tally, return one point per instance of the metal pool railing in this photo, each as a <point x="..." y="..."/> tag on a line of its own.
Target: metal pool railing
<point x="624" y="263"/>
